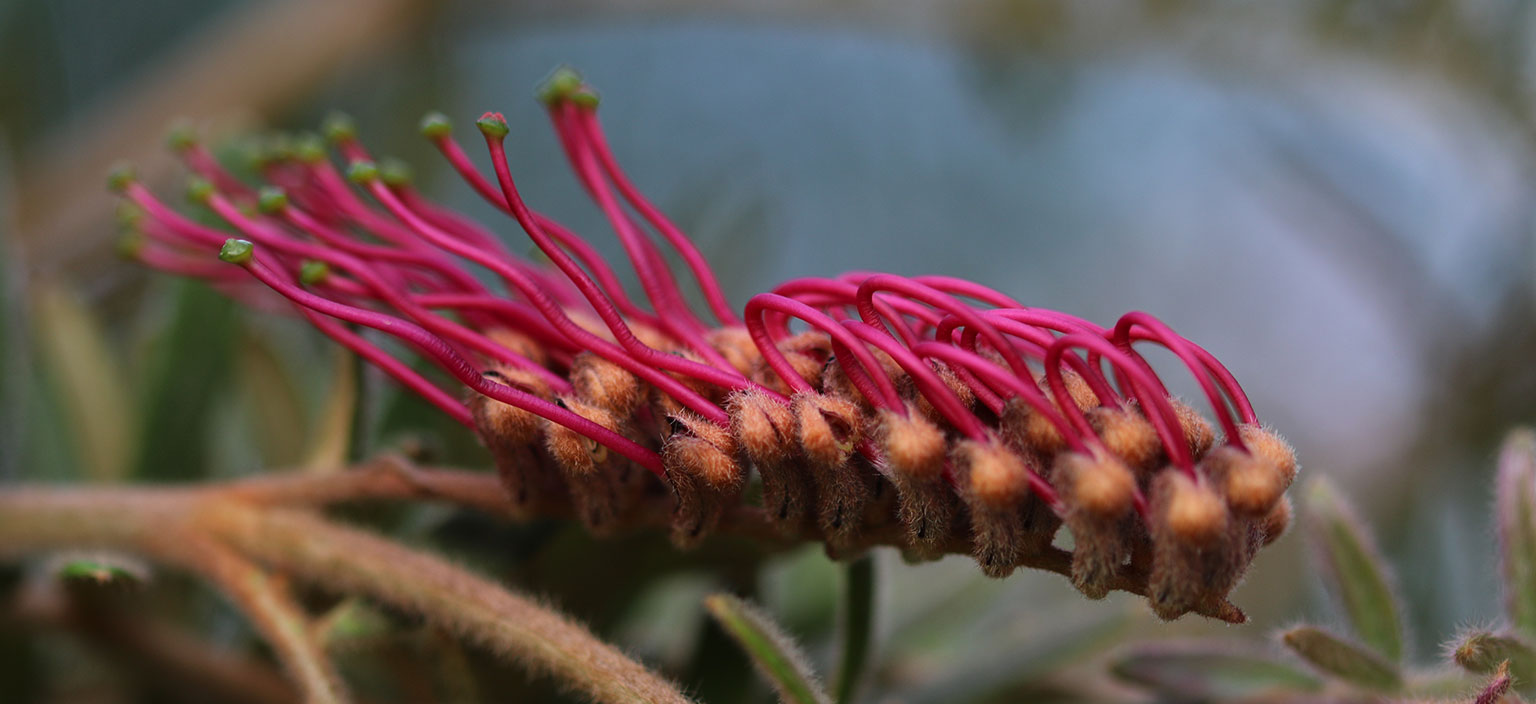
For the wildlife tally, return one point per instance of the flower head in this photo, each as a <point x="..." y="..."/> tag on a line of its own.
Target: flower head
<point x="930" y="412"/>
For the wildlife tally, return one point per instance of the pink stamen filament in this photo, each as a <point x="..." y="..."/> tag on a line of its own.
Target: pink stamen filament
<point x="942" y="301"/>
<point x="457" y="366"/>
<point x="655" y="277"/>
<point x="1160" y="333"/>
<point x="1154" y="405"/>
<point x="267" y="235"/>
<point x="865" y="373"/>
<point x="719" y="372"/>
<point x="552" y="312"/>
<point x="697" y="263"/>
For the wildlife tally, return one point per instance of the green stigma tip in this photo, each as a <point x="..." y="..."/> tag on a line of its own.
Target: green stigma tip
<point x="585" y="97"/>
<point x="236" y="251"/>
<point x="120" y="176"/>
<point x="271" y="199"/>
<point x="130" y="244"/>
<point x="313" y="271"/>
<point x="559" y="85"/>
<point x="436" y="126"/>
<point x="199" y="189"/>
<point x="309" y="148"/>
<point x="181" y="136"/>
<point x="493" y="125"/>
<point x="395" y="172"/>
<point x="363" y="172"/>
<point x="129" y="214"/>
<point x="339" y="127"/>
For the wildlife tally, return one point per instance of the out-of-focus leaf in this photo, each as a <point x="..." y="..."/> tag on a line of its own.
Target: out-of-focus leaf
<point x="329" y="444"/>
<point x="185" y="371"/>
<point x="1356" y="572"/>
<point x="277" y="410"/>
<point x="858" y="624"/>
<point x="75" y="352"/>
<point x="1342" y="659"/>
<point x="100" y="569"/>
<point x="1206" y="672"/>
<point x="983" y="674"/>
<point x="1515" y="506"/>
<point x="777" y="658"/>
<point x="349" y="625"/>
<point x="1482" y="652"/>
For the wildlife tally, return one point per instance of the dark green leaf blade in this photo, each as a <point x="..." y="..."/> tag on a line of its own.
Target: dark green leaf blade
<point x="1357" y="574"/>
<point x="777" y="658"/>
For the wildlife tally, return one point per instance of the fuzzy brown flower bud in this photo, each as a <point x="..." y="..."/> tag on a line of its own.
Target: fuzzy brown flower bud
<point x="704" y="474"/>
<point x="765" y="430"/>
<point x="511" y="434"/>
<point x="1099" y="495"/>
<point x="994" y="485"/>
<point x="914" y="449"/>
<point x="595" y="476"/>
<point x="828" y="429"/>
<point x="606" y="385"/>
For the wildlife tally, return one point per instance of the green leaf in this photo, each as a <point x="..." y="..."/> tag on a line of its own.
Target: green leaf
<point x="1515" y="509"/>
<point x="88" y="377"/>
<point x="1204" y="671"/>
<point x="276" y="409"/>
<point x="858" y="621"/>
<point x="1356" y="572"/>
<point x="330" y="444"/>
<point x="993" y="670"/>
<point x="1482" y="652"/>
<point x="777" y="658"/>
<point x="1342" y="659"/>
<point x="185" y="371"/>
<point x="101" y="570"/>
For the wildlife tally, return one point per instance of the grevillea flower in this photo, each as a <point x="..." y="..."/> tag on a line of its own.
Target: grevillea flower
<point x="928" y="412"/>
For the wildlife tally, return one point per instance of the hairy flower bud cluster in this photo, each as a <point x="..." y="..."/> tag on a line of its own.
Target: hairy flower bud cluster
<point x="928" y="412"/>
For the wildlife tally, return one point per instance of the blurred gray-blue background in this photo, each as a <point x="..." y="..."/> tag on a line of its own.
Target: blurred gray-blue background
<point x="1334" y="196"/>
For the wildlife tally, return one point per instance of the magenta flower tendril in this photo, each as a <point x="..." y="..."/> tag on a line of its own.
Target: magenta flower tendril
<point x="930" y="412"/>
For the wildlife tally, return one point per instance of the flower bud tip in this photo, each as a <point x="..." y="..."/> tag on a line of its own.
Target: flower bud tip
<point x="199" y="189"/>
<point x="435" y="125"/>
<point x="120" y="176"/>
<point x="236" y="251"/>
<point x="313" y="271"/>
<point x="181" y="136"/>
<point x="395" y="172"/>
<point x="271" y="200"/>
<point x="363" y="172"/>
<point x="339" y="127"/>
<point x="493" y="125"/>
<point x="309" y="148"/>
<point x="561" y="84"/>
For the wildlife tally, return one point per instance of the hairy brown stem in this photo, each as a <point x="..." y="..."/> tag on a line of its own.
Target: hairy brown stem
<point x="272" y="610"/>
<point x="176" y="526"/>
